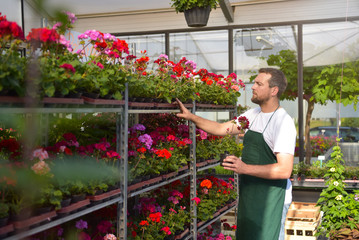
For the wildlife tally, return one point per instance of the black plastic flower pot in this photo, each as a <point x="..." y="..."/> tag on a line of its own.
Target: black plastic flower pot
<point x="197" y="16"/>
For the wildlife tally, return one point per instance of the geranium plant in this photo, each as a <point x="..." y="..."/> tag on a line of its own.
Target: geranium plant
<point x="12" y="67"/>
<point x="182" y="5"/>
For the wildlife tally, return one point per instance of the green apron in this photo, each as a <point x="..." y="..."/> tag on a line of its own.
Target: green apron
<point x="261" y="200"/>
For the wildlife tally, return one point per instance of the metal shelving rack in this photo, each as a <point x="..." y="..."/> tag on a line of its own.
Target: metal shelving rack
<point x="44" y="112"/>
<point x="122" y="122"/>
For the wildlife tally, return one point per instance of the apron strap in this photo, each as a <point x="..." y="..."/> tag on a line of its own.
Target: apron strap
<point x="270" y="119"/>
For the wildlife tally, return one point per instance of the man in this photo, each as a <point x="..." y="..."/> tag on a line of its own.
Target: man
<point x="267" y="158"/>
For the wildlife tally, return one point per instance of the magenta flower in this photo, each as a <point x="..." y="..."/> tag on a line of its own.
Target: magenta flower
<point x="71" y="17"/>
<point x="166" y="230"/>
<point x="146" y="139"/>
<point x="173" y="199"/>
<point x="81" y="224"/>
<point x="100" y="65"/>
<point x="112" y="154"/>
<point x="196" y="199"/>
<point x="68" y="66"/>
<point x="104" y="226"/>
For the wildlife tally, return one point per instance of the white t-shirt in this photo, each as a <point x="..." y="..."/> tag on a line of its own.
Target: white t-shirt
<point x="280" y="134"/>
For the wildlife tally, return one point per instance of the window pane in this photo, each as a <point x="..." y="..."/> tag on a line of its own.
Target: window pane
<point x="208" y="50"/>
<point x="153" y="44"/>
<point x="330" y="54"/>
<point x="252" y="48"/>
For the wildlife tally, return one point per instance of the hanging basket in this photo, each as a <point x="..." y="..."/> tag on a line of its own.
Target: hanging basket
<point x="197" y="16"/>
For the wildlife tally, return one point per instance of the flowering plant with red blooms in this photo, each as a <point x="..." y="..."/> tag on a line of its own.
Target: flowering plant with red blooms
<point x="10" y="146"/>
<point x="162" y="215"/>
<point x="12" y="66"/>
<point x="103" y="55"/>
<point x="217" y="89"/>
<point x="213" y="193"/>
<point x="242" y="123"/>
<point x="161" y="150"/>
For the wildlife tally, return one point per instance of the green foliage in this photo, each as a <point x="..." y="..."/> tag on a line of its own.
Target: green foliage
<point x="4" y="210"/>
<point x="12" y="70"/>
<point x="88" y="128"/>
<point x="219" y="170"/>
<point x="338" y="83"/>
<point x="350" y="122"/>
<point x="205" y="209"/>
<point x="340" y="209"/>
<point x="58" y="81"/>
<point x="182" y="5"/>
<point x="49" y="196"/>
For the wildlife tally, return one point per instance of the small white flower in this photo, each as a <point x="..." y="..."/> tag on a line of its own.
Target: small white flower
<point x="339" y="197"/>
<point x="332" y="169"/>
<point x="336" y="183"/>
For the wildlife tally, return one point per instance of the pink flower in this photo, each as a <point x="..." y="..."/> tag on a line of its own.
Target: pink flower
<point x="62" y="149"/>
<point x="41" y="154"/>
<point x="172" y="210"/>
<point x="41" y="168"/>
<point x="100" y="65"/>
<point x="109" y="236"/>
<point x="112" y="154"/>
<point x="173" y="199"/>
<point x="166" y="230"/>
<point x="197" y="200"/>
<point x="68" y="67"/>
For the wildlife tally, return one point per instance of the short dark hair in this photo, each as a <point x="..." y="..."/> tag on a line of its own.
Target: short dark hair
<point x="277" y="79"/>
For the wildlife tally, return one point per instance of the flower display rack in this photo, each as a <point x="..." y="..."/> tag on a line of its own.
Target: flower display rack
<point x="119" y="196"/>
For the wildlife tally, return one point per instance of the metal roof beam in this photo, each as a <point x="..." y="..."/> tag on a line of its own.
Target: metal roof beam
<point x="227" y="10"/>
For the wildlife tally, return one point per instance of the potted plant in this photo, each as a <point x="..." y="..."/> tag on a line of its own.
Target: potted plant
<point x="48" y="198"/>
<point x="196" y="11"/>
<point x="4" y="213"/>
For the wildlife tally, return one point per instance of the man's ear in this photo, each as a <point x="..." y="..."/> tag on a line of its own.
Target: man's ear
<point x="275" y="91"/>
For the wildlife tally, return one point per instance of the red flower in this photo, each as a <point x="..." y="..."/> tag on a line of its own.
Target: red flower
<point x="155" y="217"/>
<point x="166" y="230"/>
<point x="101" y="45"/>
<point x="68" y="66"/>
<point x="120" y="45"/>
<point x="69" y="137"/>
<point x="112" y="154"/>
<point x="43" y="35"/>
<point x="68" y="151"/>
<point x="197" y="200"/>
<point x="163" y="153"/>
<point x="104" y="226"/>
<point x="10" y="29"/>
<point x="141" y="150"/>
<point x="144" y="223"/>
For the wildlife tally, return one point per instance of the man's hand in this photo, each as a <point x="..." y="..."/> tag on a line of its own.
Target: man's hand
<point x="280" y="170"/>
<point x="234" y="164"/>
<point x="185" y="113"/>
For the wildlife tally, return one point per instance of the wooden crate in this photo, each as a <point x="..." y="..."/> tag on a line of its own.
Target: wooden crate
<point x="231" y="220"/>
<point x="301" y="222"/>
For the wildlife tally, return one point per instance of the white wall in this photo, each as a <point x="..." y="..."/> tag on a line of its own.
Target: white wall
<point x="273" y="12"/>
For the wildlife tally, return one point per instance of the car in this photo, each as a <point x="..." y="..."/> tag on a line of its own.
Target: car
<point x="348" y="134"/>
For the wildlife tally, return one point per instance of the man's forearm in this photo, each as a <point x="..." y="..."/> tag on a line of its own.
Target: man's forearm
<point x="268" y="171"/>
<point x="211" y="127"/>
